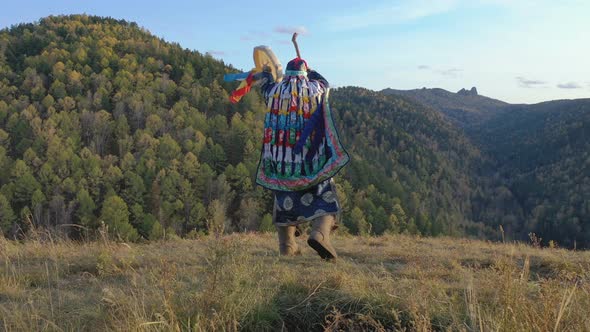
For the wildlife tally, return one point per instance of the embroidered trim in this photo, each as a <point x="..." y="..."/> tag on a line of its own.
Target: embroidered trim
<point x="295" y="73"/>
<point x="269" y="169"/>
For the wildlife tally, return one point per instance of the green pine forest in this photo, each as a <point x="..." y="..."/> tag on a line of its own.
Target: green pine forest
<point x="105" y="126"/>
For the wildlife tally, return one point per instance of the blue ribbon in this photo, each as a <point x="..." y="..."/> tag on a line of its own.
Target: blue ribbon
<point x="295" y="73"/>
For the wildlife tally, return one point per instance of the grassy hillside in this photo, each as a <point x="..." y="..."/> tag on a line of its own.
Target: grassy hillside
<point x="238" y="282"/>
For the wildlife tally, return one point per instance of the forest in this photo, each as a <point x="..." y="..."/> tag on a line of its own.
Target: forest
<point x="537" y="156"/>
<point x="105" y="126"/>
<point x="548" y="170"/>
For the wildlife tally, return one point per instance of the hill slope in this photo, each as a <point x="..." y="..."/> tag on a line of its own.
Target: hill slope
<point x="239" y="283"/>
<point x="101" y="121"/>
<point x="542" y="153"/>
<point x="536" y="158"/>
<point x="412" y="153"/>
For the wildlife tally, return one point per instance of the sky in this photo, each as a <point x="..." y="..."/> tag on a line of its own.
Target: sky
<point x="519" y="51"/>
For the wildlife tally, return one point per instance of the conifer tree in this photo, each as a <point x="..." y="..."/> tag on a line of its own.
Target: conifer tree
<point x="115" y="215"/>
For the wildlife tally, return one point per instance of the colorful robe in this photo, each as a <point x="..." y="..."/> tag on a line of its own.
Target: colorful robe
<point x="301" y="148"/>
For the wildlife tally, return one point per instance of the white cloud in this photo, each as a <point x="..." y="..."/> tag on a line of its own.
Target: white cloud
<point x="216" y="53"/>
<point x="511" y="3"/>
<point x="528" y="83"/>
<point x="528" y="4"/>
<point x="290" y="29"/>
<point x="255" y="35"/>
<point x="569" y="85"/>
<point x="450" y="73"/>
<point x="397" y="13"/>
<point x="404" y="11"/>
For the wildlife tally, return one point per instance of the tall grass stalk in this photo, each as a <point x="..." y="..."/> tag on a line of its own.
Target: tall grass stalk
<point x="240" y="283"/>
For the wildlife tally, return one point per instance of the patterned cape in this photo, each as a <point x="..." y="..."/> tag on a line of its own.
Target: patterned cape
<point x="301" y="147"/>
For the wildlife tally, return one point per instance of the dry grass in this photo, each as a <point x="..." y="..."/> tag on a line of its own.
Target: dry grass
<point x="238" y="282"/>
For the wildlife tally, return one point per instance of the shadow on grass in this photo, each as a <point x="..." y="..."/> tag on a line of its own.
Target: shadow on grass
<point x="297" y="307"/>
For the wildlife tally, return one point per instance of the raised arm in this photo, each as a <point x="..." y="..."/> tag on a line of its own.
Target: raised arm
<point x="268" y="83"/>
<point x="315" y="76"/>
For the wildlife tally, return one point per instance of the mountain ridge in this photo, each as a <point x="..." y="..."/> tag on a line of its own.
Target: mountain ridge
<point x="462" y="108"/>
<point x="532" y="149"/>
<point x="101" y="121"/>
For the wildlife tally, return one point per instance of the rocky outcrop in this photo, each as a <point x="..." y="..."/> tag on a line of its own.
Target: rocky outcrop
<point x="465" y="92"/>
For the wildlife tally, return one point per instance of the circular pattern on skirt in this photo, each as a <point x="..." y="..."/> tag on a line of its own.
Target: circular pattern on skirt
<point x="307" y="199"/>
<point x="288" y="203"/>
<point x="329" y="197"/>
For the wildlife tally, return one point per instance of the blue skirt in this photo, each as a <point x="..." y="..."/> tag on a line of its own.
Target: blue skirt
<point x="296" y="207"/>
